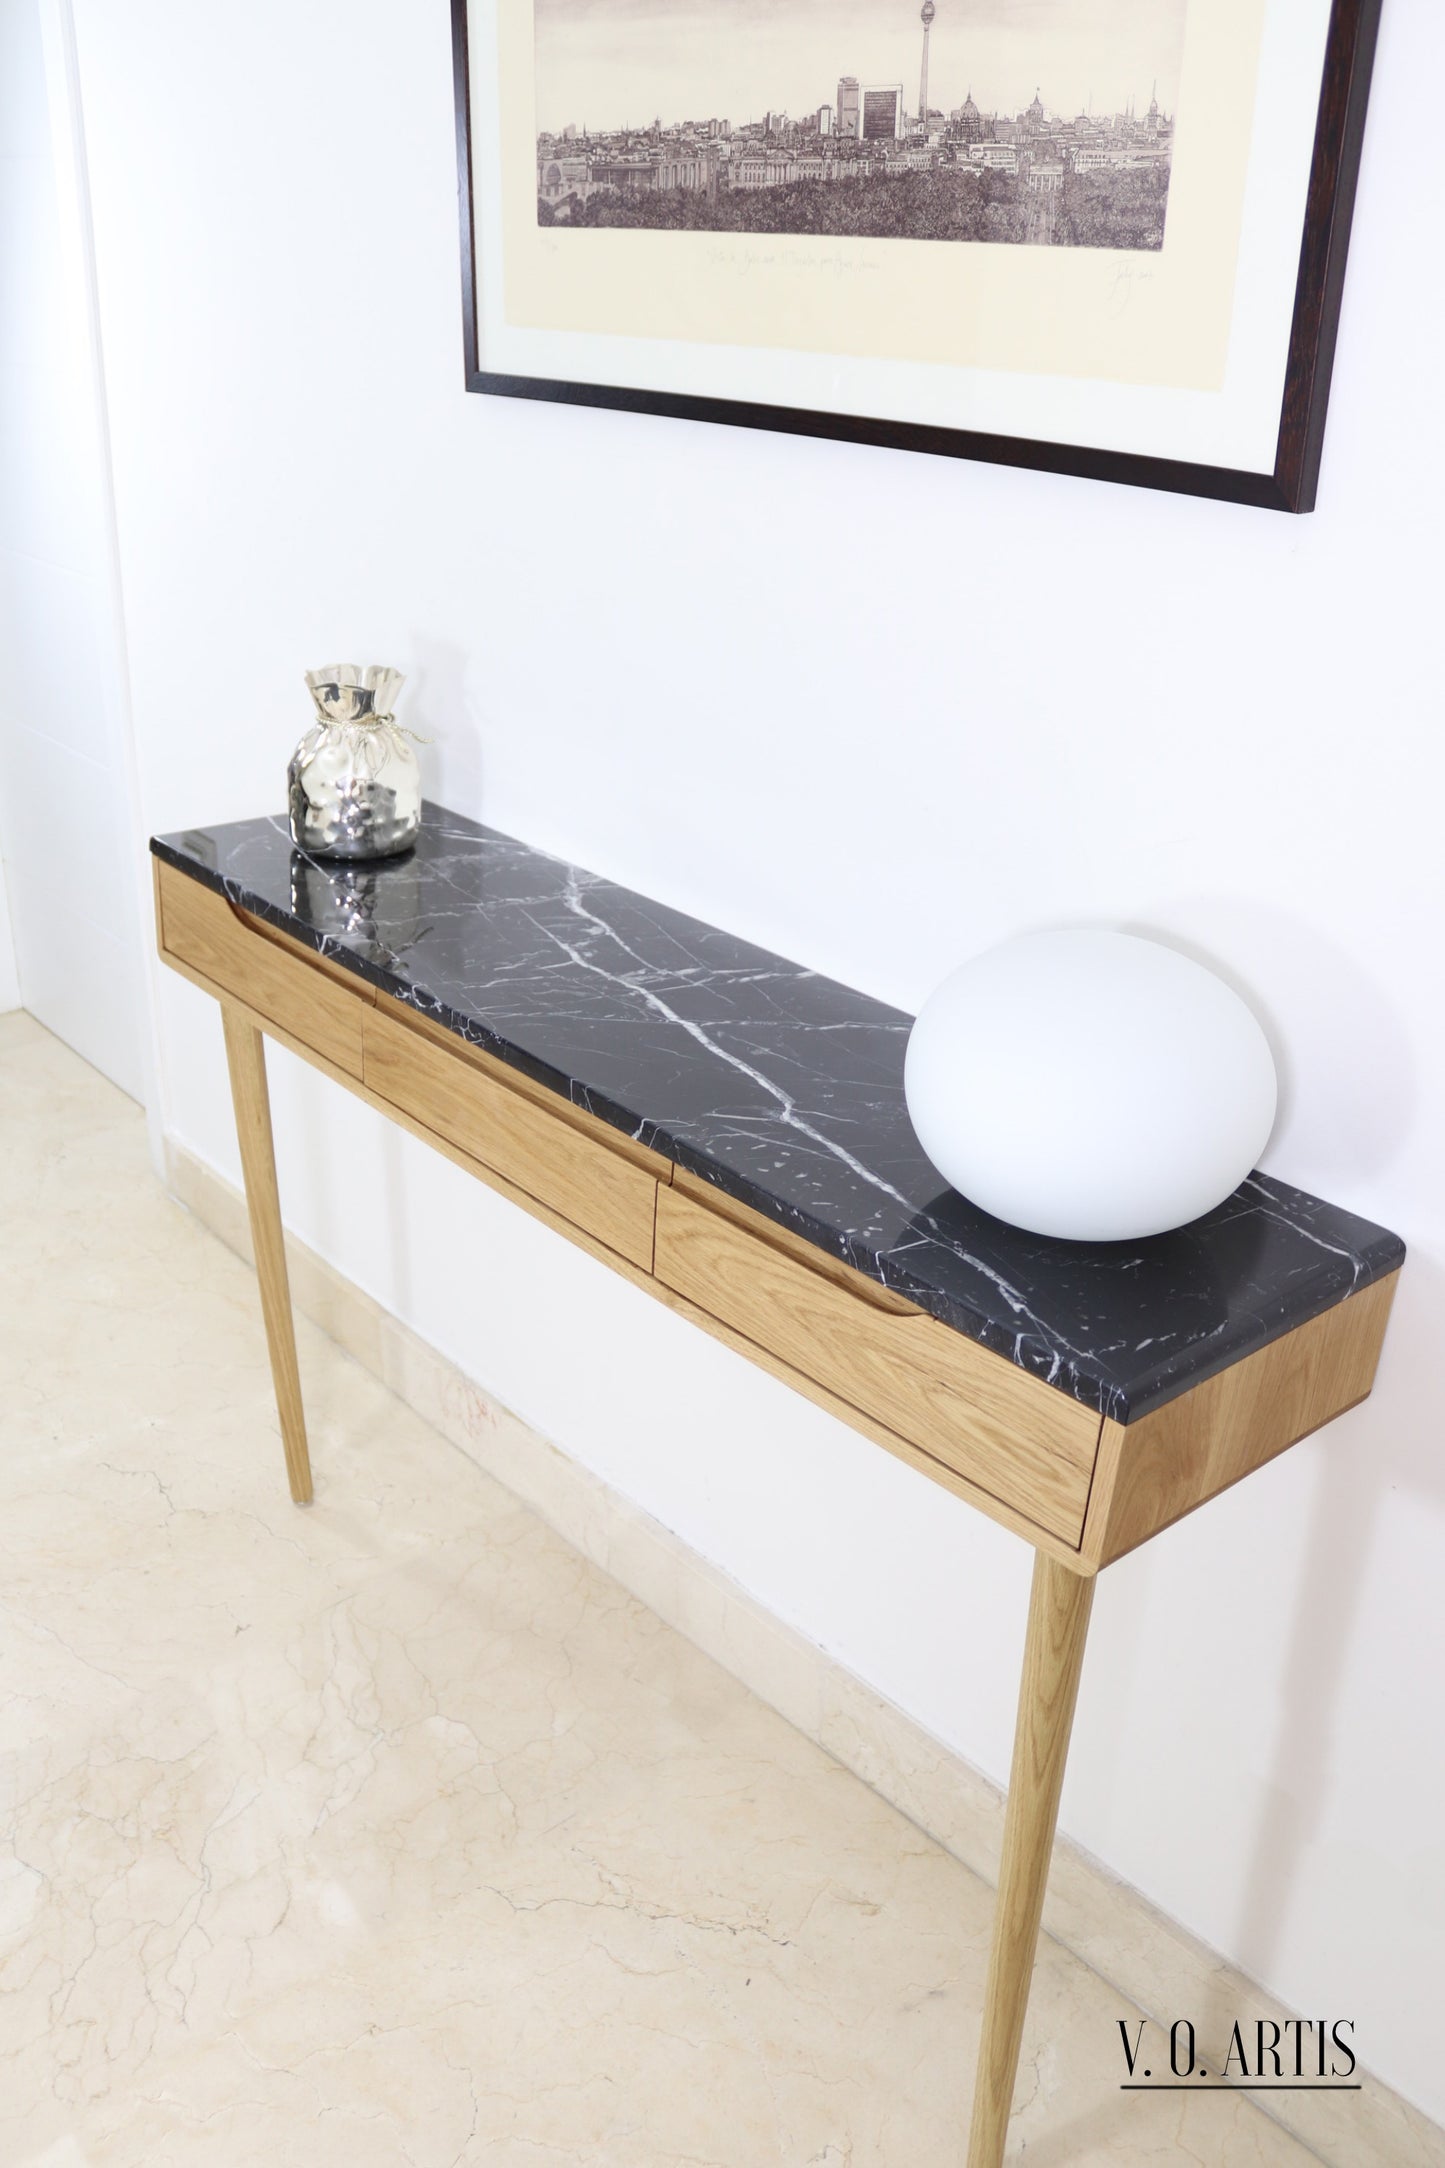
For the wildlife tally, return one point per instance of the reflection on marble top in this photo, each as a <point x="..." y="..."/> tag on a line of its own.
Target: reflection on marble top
<point x="784" y="1089"/>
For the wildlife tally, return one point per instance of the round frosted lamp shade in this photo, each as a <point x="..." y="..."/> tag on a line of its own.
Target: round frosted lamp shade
<point x="1090" y="1085"/>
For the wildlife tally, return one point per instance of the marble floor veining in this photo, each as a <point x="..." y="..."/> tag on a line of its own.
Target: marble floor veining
<point x="391" y="1833"/>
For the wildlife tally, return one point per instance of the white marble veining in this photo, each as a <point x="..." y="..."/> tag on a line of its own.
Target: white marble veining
<point x="784" y="1089"/>
<point x="394" y="1832"/>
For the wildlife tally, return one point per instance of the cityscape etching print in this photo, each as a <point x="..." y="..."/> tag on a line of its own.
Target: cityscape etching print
<point x="1046" y="123"/>
<point x="1103" y="236"/>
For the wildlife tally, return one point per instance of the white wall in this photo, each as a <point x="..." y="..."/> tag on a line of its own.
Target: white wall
<point x="874" y="711"/>
<point x="9" y="974"/>
<point x="66" y="819"/>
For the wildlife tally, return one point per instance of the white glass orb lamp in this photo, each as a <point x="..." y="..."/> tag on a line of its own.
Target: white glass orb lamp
<point x="1090" y="1085"/>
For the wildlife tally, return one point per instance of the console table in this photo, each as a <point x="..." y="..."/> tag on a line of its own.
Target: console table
<point x="728" y="1131"/>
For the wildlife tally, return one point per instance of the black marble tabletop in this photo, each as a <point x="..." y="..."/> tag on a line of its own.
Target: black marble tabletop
<point x="786" y="1090"/>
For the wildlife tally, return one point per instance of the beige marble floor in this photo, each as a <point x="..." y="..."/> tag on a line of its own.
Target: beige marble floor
<point x="391" y="1834"/>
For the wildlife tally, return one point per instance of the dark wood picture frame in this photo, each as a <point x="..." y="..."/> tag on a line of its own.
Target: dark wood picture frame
<point x="1334" y="171"/>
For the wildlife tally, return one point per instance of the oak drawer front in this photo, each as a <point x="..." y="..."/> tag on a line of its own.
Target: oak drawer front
<point x="598" y="1190"/>
<point x="1018" y="1439"/>
<point x="200" y="931"/>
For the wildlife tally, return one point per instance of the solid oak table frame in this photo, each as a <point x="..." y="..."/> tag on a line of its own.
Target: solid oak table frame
<point x="1081" y="1488"/>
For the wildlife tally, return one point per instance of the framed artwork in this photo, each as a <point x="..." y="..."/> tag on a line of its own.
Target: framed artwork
<point x="1105" y="237"/>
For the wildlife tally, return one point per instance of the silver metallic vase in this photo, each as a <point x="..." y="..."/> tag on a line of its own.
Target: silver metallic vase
<point x="354" y="786"/>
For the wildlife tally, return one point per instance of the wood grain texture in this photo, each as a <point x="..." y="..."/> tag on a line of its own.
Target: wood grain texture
<point x="803" y="1252"/>
<point x="1023" y="1453"/>
<point x="444" y="1145"/>
<point x="810" y="1388"/>
<point x="1015" y="1437"/>
<point x="1154" y="1471"/>
<point x="246" y="1059"/>
<point x="1059" y="1607"/>
<point x="253" y="986"/>
<point x="991" y="1436"/>
<point x="516" y="1080"/>
<point x="309" y="958"/>
<point x="854" y="1418"/>
<point x="902" y="1448"/>
<point x="215" y="947"/>
<point x="534" y="1147"/>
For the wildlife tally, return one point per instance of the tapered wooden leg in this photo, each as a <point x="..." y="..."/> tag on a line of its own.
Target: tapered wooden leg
<point x="246" y="1055"/>
<point x="1053" y="1658"/>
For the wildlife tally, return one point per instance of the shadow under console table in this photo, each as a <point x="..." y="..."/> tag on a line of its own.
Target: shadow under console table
<point x="728" y="1131"/>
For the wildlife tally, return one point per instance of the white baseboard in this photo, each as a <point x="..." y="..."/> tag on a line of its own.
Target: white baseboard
<point x="1155" y="1965"/>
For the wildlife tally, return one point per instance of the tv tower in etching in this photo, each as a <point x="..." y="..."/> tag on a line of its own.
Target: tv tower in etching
<point x="929" y="11"/>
